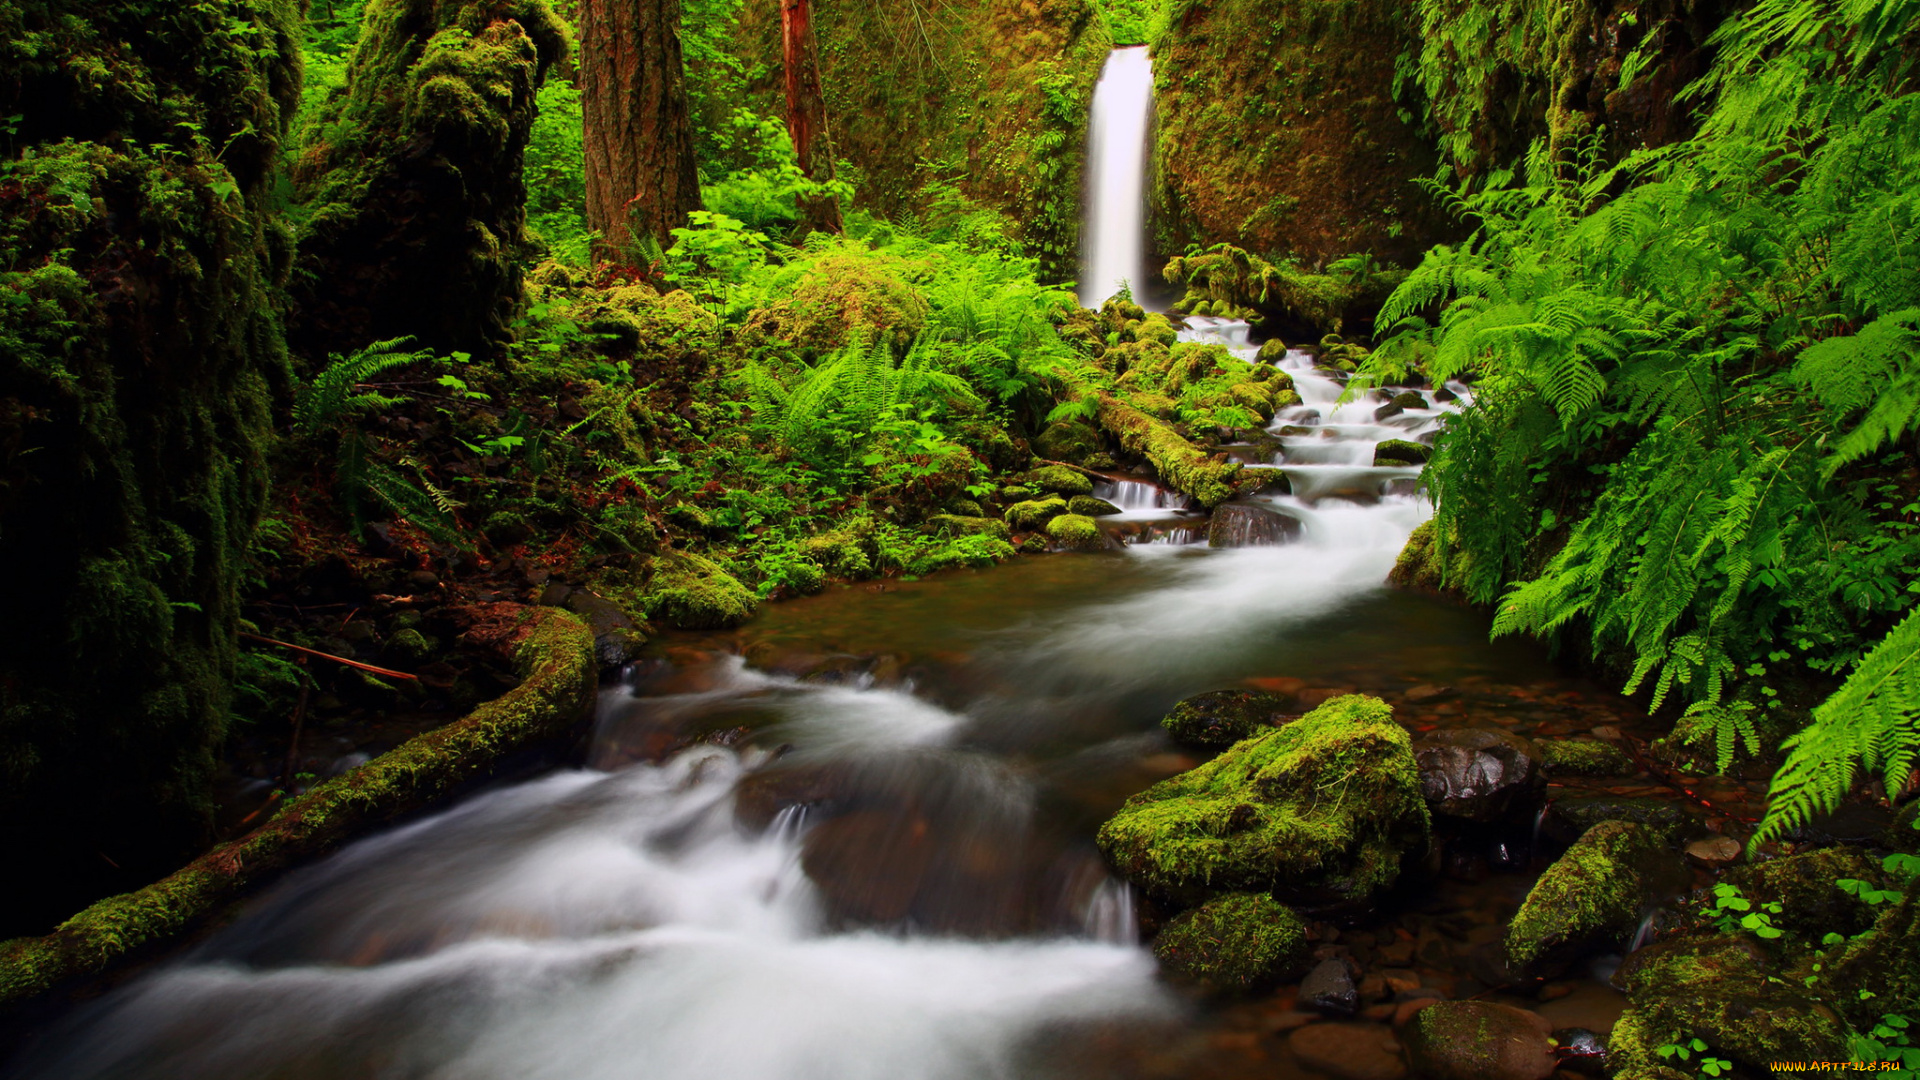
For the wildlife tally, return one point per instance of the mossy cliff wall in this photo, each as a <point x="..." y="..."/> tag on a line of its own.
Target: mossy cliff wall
<point x="1501" y="74"/>
<point x="1278" y="132"/>
<point x="989" y="95"/>
<point x="411" y="181"/>
<point x="139" y="272"/>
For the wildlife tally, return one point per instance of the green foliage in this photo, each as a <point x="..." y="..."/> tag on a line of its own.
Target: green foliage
<point x="557" y="175"/>
<point x="1731" y="911"/>
<point x="1687" y="362"/>
<point x="1683" y="1049"/>
<point x="329" y="405"/>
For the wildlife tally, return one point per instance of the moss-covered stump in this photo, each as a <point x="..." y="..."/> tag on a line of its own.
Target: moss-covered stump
<point x="1479" y="1040"/>
<point x="554" y="654"/>
<point x="1583" y="757"/>
<point x="1034" y="513"/>
<point x="1591" y="897"/>
<point x="140" y="268"/>
<point x="1401" y="452"/>
<point x="1723" y="991"/>
<point x="692" y="592"/>
<point x="1237" y="942"/>
<point x="1319" y="812"/>
<point x="411" y="179"/>
<point x="1060" y="480"/>
<point x="1220" y="718"/>
<point x="1078" y="533"/>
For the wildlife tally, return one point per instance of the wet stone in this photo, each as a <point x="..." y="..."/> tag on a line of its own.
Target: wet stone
<point x="1221" y="718"/>
<point x="1477" y="774"/>
<point x="1329" y="989"/>
<point x="1479" y="1040"/>
<point x="1349" y="1051"/>
<point x="1236" y="525"/>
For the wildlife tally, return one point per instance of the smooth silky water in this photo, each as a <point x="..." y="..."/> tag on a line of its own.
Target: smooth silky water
<point x="853" y="839"/>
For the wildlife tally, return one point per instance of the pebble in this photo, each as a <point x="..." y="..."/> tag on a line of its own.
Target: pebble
<point x="1329" y="988"/>
<point x="1714" y="850"/>
<point x="1349" y="1051"/>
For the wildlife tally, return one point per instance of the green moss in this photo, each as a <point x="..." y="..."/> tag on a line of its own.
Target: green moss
<point x="1584" y="757"/>
<point x="1034" y="513"/>
<point x="1237" y="942"/>
<point x="1401" y="452"/>
<point x="839" y="296"/>
<point x="1222" y="717"/>
<point x="1591" y="896"/>
<point x="1720" y="990"/>
<point x="554" y="654"/>
<point x="1075" y="531"/>
<point x="1068" y="440"/>
<point x="1320" y="810"/>
<point x="410" y="181"/>
<point x="1060" y="480"/>
<point x="956" y="525"/>
<point x="692" y="592"/>
<point x="1182" y="466"/>
<point x="1421" y="565"/>
<point x="1088" y="506"/>
<point x="1803" y="884"/>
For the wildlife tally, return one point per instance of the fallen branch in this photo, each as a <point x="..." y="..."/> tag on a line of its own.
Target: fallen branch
<point x="388" y="672"/>
<point x="554" y="653"/>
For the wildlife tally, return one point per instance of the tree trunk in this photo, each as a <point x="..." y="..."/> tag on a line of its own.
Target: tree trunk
<point x="806" y="111"/>
<point x="641" y="182"/>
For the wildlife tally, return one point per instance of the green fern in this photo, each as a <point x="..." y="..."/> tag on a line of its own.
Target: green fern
<point x="338" y="393"/>
<point x="1872" y="722"/>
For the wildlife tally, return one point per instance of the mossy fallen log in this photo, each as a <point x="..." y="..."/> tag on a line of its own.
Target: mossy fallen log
<point x="1182" y="465"/>
<point x="554" y="654"/>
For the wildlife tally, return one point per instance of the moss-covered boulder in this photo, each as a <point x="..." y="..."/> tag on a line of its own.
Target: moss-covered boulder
<point x="1811" y="905"/>
<point x="1237" y="942"/>
<point x="1255" y="397"/>
<point x="1319" y="812"/>
<point x="1088" y="506"/>
<point x="1569" y="818"/>
<point x="1220" y="718"/>
<point x="956" y="525"/>
<point x="1077" y="532"/>
<point x="1583" y="757"/>
<point x="1591" y="897"/>
<point x="1060" y="480"/>
<point x="1725" y="991"/>
<point x="692" y="592"/>
<point x="1479" y="1040"/>
<point x="1401" y="452"/>
<point x="1034" y="513"/>
<point x="1068" y="440"/>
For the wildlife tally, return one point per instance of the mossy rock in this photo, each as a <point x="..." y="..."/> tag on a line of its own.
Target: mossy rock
<point x="956" y="525"/>
<point x="966" y="508"/>
<point x="1272" y="351"/>
<point x="1572" y="817"/>
<point x="1060" y="480"/>
<point x="845" y="552"/>
<point x="1034" y="513"/>
<point x="1017" y="492"/>
<point x="1401" y="452"/>
<point x="1724" y="991"/>
<point x="1584" y="757"/>
<point x="1077" y="532"/>
<point x="1035" y="545"/>
<point x="1255" y="397"/>
<point x="1319" y="812"/>
<point x="692" y="592"/>
<point x="1591" y="897"/>
<point x="1220" y="718"/>
<point x="1238" y="942"/>
<point x="1088" y="506"/>
<point x="1803" y="885"/>
<point x="1478" y="1040"/>
<point x="1068" y="440"/>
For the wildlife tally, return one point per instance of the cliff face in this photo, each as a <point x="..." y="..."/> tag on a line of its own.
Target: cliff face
<point x="987" y="97"/>
<point x="1279" y="131"/>
<point x="139" y="282"/>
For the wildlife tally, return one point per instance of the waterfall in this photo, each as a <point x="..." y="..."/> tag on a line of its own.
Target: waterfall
<point x="1114" y="240"/>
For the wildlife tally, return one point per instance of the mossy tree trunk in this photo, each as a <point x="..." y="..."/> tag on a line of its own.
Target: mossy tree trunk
<point x="641" y="177"/>
<point x="807" y="111"/>
<point x="411" y="179"/>
<point x="140" y="272"/>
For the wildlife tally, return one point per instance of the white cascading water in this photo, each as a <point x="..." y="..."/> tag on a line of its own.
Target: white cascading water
<point x="630" y="919"/>
<point x="1113" y="248"/>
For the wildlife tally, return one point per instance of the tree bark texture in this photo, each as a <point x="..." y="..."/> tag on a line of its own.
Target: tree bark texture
<point x="806" y="110"/>
<point x="641" y="180"/>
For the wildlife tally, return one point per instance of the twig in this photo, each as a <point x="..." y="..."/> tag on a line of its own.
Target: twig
<point x="388" y="672"/>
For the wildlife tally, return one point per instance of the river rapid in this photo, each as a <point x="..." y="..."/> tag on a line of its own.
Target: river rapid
<point x="852" y="839"/>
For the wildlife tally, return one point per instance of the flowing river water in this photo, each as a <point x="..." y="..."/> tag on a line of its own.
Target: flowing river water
<point x="852" y="840"/>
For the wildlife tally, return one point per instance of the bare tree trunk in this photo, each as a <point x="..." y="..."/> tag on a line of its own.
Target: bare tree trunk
<point x="806" y="110"/>
<point x="641" y="181"/>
